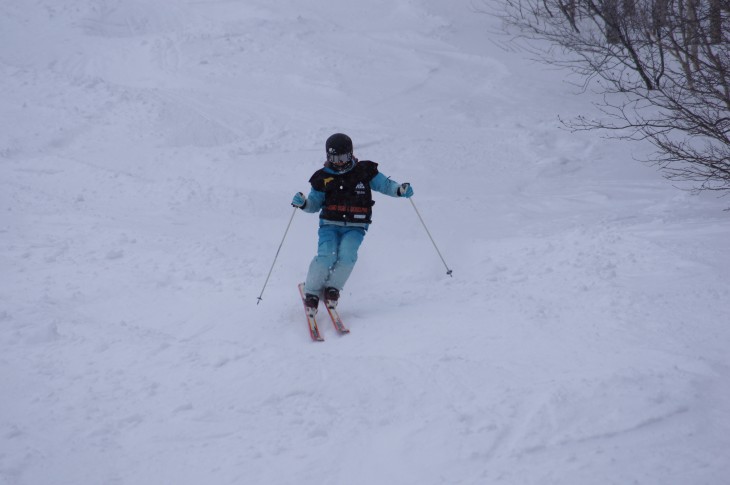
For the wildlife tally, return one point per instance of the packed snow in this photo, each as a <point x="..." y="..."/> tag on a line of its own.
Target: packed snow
<point x="149" y="151"/>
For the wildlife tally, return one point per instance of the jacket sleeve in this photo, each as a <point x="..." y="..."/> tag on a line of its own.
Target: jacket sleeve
<point x="315" y="199"/>
<point x="384" y="185"/>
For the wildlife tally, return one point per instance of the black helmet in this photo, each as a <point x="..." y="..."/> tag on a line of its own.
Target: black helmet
<point x="339" y="152"/>
<point x="338" y="144"/>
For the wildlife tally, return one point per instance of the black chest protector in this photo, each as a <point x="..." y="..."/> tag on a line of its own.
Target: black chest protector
<point x="347" y="196"/>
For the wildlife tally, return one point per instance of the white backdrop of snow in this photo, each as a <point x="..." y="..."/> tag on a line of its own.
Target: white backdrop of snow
<point x="148" y="153"/>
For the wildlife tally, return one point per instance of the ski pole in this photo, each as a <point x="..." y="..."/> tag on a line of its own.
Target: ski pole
<point x="277" y="255"/>
<point x="448" y="271"/>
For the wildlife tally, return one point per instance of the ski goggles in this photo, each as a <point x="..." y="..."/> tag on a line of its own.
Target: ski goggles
<point x="341" y="159"/>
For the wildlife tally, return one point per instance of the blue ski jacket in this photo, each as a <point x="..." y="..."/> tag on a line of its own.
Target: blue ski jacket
<point x="317" y="199"/>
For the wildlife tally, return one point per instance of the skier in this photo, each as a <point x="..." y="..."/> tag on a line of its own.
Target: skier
<point x="342" y="194"/>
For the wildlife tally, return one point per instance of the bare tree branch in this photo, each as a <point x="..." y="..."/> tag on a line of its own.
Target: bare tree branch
<point x="663" y="67"/>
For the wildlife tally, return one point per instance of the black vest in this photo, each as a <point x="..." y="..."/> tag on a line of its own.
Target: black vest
<point x="347" y="196"/>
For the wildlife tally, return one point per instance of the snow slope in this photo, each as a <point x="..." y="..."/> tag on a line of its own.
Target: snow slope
<point x="148" y="153"/>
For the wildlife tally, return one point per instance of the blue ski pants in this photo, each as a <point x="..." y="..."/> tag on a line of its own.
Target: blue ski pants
<point x="336" y="257"/>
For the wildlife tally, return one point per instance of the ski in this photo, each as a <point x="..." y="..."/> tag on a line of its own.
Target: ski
<point x="336" y="320"/>
<point x="311" y="321"/>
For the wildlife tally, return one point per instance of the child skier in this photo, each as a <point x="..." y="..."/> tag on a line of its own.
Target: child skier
<point x="342" y="194"/>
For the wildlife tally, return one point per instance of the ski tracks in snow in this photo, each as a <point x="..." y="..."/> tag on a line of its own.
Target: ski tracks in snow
<point x="146" y="177"/>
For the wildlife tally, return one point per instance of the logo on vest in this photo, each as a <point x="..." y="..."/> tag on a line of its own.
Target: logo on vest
<point x="360" y="189"/>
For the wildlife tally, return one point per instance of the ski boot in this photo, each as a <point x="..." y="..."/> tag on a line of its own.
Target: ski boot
<point x="331" y="297"/>
<point x="312" y="303"/>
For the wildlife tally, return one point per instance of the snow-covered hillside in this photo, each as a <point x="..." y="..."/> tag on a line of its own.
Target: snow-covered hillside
<point x="149" y="150"/>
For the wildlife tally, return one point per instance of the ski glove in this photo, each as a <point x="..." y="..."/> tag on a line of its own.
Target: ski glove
<point x="405" y="190"/>
<point x="299" y="200"/>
